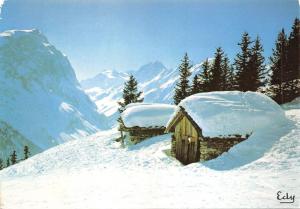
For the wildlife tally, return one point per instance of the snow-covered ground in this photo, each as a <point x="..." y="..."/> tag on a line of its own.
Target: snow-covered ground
<point x="97" y="173"/>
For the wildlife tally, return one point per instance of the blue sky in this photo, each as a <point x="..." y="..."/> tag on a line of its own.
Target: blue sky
<point x="125" y="34"/>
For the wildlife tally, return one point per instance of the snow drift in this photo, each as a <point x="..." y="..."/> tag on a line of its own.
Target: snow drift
<point x="273" y="139"/>
<point x="41" y="99"/>
<point x="147" y="115"/>
<point x="232" y="112"/>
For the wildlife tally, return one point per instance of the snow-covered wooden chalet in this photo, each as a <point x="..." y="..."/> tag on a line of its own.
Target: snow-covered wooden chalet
<point x="143" y="120"/>
<point x="205" y="125"/>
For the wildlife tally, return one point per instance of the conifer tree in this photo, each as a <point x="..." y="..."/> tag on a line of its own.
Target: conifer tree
<point x="242" y="63"/>
<point x="226" y="75"/>
<point x="205" y="77"/>
<point x="279" y="68"/>
<point x="196" y="85"/>
<point x="13" y="158"/>
<point x="26" y="152"/>
<point x="182" y="89"/>
<point x="7" y="162"/>
<point x="130" y="93"/>
<point x="1" y="164"/>
<point x="216" y="71"/>
<point x="293" y="63"/>
<point x="257" y="68"/>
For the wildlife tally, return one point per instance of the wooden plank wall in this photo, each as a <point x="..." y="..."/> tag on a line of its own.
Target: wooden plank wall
<point x="186" y="151"/>
<point x="139" y="134"/>
<point x="199" y="148"/>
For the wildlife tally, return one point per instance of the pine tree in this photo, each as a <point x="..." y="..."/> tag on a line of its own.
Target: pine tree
<point x="7" y="162"/>
<point x="130" y="93"/>
<point x="196" y="86"/>
<point x="242" y="63"/>
<point x="216" y="71"/>
<point x="13" y="157"/>
<point x="182" y="89"/>
<point x="293" y="63"/>
<point x="279" y="68"/>
<point x="257" y="68"/>
<point x="1" y="164"/>
<point x="205" y="77"/>
<point x="26" y="152"/>
<point x="226" y="75"/>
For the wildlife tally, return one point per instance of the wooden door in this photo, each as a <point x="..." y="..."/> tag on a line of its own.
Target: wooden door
<point x="187" y="142"/>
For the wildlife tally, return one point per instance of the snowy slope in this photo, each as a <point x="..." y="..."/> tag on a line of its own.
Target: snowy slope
<point x="41" y="98"/>
<point x="11" y="139"/>
<point x="155" y="80"/>
<point x="97" y="173"/>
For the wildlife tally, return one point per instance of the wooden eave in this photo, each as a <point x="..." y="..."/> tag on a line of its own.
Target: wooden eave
<point x="178" y="117"/>
<point x="124" y="128"/>
<point x="174" y="121"/>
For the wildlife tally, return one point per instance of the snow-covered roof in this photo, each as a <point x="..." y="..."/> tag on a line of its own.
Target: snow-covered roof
<point x="226" y="113"/>
<point x="147" y="114"/>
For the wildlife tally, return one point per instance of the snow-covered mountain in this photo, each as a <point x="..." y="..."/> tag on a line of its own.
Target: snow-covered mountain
<point x="105" y="80"/>
<point x="155" y="80"/>
<point x="42" y="103"/>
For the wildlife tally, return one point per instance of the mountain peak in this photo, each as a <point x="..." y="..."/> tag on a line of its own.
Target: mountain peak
<point x="156" y="65"/>
<point x="149" y="70"/>
<point x="105" y="79"/>
<point x="32" y="58"/>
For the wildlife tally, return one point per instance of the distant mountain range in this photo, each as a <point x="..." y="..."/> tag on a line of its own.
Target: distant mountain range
<point x="155" y="80"/>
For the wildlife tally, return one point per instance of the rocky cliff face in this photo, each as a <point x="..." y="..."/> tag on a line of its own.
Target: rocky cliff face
<point x="41" y="99"/>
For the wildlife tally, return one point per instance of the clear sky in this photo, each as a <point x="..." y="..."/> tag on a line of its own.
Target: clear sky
<point x="125" y="34"/>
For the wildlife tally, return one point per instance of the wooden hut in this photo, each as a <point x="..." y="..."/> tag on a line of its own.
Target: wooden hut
<point x="143" y="120"/>
<point x="205" y="125"/>
<point x="188" y="143"/>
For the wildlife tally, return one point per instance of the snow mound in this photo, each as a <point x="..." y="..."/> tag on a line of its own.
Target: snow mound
<point x="232" y="112"/>
<point x="295" y="104"/>
<point x="41" y="99"/>
<point x="147" y="114"/>
<point x="271" y="143"/>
